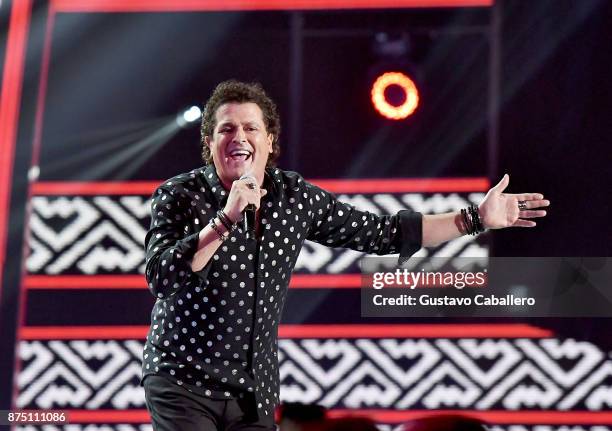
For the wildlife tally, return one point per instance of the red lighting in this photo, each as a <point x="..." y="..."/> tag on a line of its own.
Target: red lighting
<point x="410" y="99"/>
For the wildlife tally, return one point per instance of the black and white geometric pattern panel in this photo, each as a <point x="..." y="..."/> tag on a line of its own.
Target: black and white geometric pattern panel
<point x="105" y="234"/>
<point x="87" y="235"/>
<point x="397" y="374"/>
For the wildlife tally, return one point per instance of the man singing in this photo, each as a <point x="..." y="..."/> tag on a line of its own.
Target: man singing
<point x="210" y="359"/>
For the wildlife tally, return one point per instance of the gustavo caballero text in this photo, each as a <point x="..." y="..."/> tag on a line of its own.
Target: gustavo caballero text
<point x="428" y="300"/>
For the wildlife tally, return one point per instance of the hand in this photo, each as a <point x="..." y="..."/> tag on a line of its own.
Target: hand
<point x="243" y="192"/>
<point x="499" y="210"/>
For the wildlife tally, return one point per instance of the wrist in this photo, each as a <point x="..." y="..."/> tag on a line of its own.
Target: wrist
<point x="233" y="216"/>
<point x="481" y="213"/>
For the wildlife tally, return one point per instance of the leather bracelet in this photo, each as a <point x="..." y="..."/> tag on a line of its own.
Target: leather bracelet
<point x="216" y="229"/>
<point x="225" y="220"/>
<point x="466" y="221"/>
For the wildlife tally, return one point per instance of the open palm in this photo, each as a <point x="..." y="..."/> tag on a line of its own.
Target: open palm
<point x="499" y="210"/>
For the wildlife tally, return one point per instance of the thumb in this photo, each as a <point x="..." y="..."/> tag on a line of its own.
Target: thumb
<point x="263" y="192"/>
<point x="501" y="186"/>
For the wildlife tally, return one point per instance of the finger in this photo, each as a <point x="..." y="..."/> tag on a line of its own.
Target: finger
<point x="252" y="200"/>
<point x="527" y="196"/>
<point x="263" y="192"/>
<point x="537" y="203"/>
<point x="249" y="184"/>
<point x="255" y="198"/>
<point x="532" y="204"/>
<point x="532" y="214"/>
<point x="523" y="223"/>
<point x="501" y="186"/>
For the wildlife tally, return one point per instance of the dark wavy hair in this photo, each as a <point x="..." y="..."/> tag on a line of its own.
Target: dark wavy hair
<point x="240" y="92"/>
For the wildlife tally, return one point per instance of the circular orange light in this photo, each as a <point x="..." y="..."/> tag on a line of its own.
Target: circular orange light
<point x="380" y="101"/>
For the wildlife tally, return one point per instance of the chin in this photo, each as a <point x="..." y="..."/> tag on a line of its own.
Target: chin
<point x="234" y="173"/>
<point x="231" y="171"/>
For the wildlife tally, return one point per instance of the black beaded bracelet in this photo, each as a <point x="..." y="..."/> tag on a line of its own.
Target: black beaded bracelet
<point x="471" y="220"/>
<point x="479" y="227"/>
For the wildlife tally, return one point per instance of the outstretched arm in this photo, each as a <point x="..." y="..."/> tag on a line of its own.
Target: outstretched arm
<point x="498" y="210"/>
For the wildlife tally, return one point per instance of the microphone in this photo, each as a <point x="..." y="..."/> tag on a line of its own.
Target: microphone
<point x="248" y="219"/>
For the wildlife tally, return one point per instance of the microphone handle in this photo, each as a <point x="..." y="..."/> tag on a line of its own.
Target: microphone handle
<point x="249" y="221"/>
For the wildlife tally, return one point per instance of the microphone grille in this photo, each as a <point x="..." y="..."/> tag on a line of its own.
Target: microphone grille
<point x="247" y="175"/>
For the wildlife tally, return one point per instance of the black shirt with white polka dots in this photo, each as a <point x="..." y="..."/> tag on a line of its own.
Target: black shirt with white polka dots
<point x="214" y="331"/>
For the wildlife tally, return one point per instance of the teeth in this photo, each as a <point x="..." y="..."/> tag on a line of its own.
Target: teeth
<point x="240" y="155"/>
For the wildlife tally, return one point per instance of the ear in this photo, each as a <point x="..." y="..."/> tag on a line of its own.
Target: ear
<point x="207" y="141"/>
<point x="270" y="142"/>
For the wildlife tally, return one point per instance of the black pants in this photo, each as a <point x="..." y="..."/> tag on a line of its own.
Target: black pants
<point x="174" y="408"/>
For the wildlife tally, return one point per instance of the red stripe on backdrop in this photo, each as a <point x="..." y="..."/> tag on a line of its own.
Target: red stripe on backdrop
<point x="414" y="331"/>
<point x="84" y="282"/>
<point x="325" y="281"/>
<point x="305" y="331"/>
<point x="386" y="416"/>
<point x="408" y="185"/>
<point x="94" y="188"/>
<point x="10" y="100"/>
<point x="299" y="281"/>
<point x="415" y="185"/>
<point x="108" y="416"/>
<point x="83" y="332"/>
<point x="235" y="5"/>
<point x="490" y="416"/>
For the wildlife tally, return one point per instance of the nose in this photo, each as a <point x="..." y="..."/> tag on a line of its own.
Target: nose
<point x="240" y="136"/>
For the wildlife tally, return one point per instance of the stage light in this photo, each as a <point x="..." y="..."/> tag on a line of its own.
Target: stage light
<point x="33" y="173"/>
<point x="188" y="116"/>
<point x="192" y="114"/>
<point x="395" y="95"/>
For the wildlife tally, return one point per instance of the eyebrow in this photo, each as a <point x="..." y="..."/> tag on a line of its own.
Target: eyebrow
<point x="231" y="123"/>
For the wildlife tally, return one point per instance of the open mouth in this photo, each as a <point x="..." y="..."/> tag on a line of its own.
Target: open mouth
<point x="240" y="155"/>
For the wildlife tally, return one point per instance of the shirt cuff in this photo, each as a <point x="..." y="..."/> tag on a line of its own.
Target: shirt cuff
<point x="188" y="246"/>
<point x="411" y="231"/>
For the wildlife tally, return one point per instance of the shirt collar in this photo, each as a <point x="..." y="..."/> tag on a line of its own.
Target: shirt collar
<point x="211" y="177"/>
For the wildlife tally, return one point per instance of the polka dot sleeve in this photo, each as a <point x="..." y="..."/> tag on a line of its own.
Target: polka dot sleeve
<point x="337" y="224"/>
<point x="168" y="250"/>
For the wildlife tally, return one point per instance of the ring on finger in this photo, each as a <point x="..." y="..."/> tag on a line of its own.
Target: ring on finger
<point x="522" y="205"/>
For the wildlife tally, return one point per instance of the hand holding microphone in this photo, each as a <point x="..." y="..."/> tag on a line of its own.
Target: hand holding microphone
<point x="243" y="201"/>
